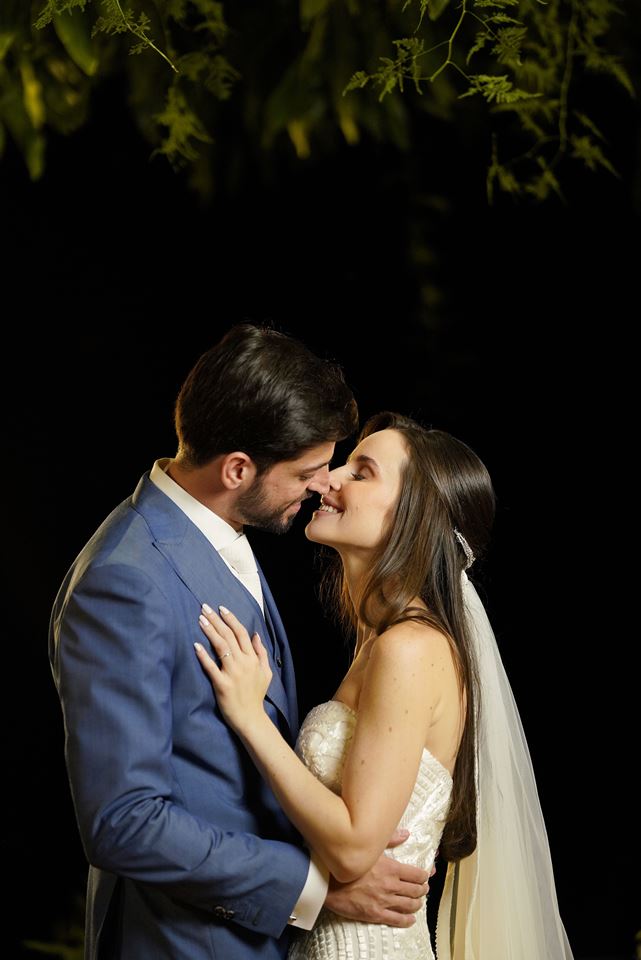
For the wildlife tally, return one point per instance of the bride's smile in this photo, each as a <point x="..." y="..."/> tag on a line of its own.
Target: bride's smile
<point x="355" y="514"/>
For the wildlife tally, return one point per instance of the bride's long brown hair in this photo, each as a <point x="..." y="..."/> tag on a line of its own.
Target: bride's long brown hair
<point x="444" y="486"/>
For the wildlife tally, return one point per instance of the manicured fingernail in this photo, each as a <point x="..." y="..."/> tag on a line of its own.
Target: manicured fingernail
<point x="223" y="609"/>
<point x="207" y="608"/>
<point x="203" y="620"/>
<point x="404" y="833"/>
<point x="199" y="647"/>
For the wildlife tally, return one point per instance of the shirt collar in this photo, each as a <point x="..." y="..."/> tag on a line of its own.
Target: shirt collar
<point x="219" y="533"/>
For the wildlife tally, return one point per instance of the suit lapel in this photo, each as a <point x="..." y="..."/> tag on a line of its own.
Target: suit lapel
<point x="200" y="567"/>
<point x="282" y="648"/>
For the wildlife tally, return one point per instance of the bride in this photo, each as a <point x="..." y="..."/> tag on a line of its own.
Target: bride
<point x="423" y="731"/>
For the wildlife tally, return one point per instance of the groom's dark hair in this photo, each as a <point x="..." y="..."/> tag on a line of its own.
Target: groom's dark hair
<point x="262" y="392"/>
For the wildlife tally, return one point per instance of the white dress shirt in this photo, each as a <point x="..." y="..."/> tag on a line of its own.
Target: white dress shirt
<point x="220" y="534"/>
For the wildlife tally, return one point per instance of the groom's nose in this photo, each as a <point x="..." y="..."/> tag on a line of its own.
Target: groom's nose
<point x="320" y="482"/>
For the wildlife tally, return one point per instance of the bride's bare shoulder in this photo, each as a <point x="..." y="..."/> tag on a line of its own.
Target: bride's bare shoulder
<point x="412" y="640"/>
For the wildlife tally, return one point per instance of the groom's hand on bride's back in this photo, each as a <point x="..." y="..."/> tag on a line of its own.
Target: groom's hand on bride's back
<point x="391" y="892"/>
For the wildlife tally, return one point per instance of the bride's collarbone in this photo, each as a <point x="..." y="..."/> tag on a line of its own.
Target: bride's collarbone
<point x="350" y="687"/>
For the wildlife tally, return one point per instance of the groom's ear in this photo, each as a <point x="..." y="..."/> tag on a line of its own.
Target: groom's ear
<point x="237" y="470"/>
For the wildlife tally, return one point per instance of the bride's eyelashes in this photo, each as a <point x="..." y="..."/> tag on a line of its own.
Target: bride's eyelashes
<point x="357" y="476"/>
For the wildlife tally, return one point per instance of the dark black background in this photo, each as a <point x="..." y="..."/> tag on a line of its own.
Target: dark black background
<point x="115" y="281"/>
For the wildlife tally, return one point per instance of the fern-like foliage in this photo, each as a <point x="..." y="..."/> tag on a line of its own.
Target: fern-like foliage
<point x="394" y="72"/>
<point x="117" y="18"/>
<point x="316" y="71"/>
<point x="54" y="8"/>
<point x="542" y="45"/>
<point x="184" y="127"/>
<point x="498" y="89"/>
<point x="49" y="63"/>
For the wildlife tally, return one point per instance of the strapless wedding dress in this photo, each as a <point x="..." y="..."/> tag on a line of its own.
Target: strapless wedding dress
<point x="322" y="744"/>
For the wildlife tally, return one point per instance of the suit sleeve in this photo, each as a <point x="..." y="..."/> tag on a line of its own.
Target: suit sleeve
<point x="112" y="648"/>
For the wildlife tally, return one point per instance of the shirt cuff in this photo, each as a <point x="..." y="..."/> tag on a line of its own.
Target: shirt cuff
<point x="312" y="895"/>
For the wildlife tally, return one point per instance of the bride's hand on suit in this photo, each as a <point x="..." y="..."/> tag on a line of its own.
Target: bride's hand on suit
<point x="243" y="674"/>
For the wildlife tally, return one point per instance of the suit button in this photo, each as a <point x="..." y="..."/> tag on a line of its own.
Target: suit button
<point x="229" y="914"/>
<point x="219" y="912"/>
<point x="279" y="662"/>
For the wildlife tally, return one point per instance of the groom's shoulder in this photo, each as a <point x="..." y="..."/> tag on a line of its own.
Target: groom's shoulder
<point x="126" y="534"/>
<point x="122" y="550"/>
<point x="120" y="537"/>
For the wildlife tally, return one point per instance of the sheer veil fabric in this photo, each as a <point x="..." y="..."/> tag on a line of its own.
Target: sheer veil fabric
<point x="500" y="902"/>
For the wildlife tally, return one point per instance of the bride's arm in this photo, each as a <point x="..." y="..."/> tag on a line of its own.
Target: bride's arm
<point x="396" y="704"/>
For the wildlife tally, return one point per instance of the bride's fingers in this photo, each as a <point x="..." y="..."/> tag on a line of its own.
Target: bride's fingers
<point x="224" y="646"/>
<point x="240" y="633"/>
<point x="211" y="668"/>
<point x="261" y="653"/>
<point x="218" y="624"/>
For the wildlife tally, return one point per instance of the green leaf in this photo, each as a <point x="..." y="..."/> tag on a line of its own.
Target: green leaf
<point x="479" y="43"/>
<point x="177" y="10"/>
<point x="310" y="9"/>
<point x="114" y="19"/>
<point x="184" y="126"/>
<point x="53" y="8"/>
<point x="74" y="32"/>
<point x="410" y="49"/>
<point x="545" y="183"/>
<point x="34" y="152"/>
<point x="496" y="88"/>
<point x="496" y="3"/>
<point x="502" y="18"/>
<point x="215" y="72"/>
<point x="508" y="48"/>
<point x="504" y="177"/>
<point x="213" y="19"/>
<point x="357" y="81"/>
<point x="435" y="8"/>
<point x="598" y="62"/>
<point x="6" y="39"/>
<point x="621" y="74"/>
<point x="585" y="120"/>
<point x="591" y="154"/>
<point x="32" y="97"/>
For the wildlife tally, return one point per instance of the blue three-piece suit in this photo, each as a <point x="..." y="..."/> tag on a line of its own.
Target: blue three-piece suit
<point x="190" y="855"/>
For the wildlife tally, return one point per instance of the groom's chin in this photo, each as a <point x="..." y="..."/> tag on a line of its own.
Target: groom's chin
<point x="275" y="525"/>
<point x="282" y="524"/>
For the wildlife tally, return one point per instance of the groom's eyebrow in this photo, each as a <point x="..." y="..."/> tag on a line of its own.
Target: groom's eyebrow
<point x="314" y="469"/>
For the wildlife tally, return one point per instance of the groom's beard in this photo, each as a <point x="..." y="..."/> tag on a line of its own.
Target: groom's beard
<point x="256" y="510"/>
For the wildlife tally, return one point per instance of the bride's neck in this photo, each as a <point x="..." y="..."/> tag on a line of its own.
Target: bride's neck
<point x="363" y="635"/>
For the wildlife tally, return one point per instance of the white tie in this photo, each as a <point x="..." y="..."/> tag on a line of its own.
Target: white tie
<point x="240" y="557"/>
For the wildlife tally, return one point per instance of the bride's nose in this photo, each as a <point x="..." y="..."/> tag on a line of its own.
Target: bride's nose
<point x="335" y="478"/>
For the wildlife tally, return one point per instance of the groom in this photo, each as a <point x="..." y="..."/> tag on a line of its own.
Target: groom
<point x="190" y="856"/>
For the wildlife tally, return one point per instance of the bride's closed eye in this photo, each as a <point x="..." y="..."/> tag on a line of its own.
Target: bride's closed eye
<point x="357" y="476"/>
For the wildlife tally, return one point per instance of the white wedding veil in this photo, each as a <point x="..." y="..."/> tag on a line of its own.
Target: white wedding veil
<point x="500" y="902"/>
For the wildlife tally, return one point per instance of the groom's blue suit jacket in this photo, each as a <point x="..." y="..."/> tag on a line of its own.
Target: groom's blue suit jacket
<point x="191" y="858"/>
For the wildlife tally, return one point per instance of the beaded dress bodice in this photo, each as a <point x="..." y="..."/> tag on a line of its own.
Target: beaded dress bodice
<point x="323" y="744"/>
